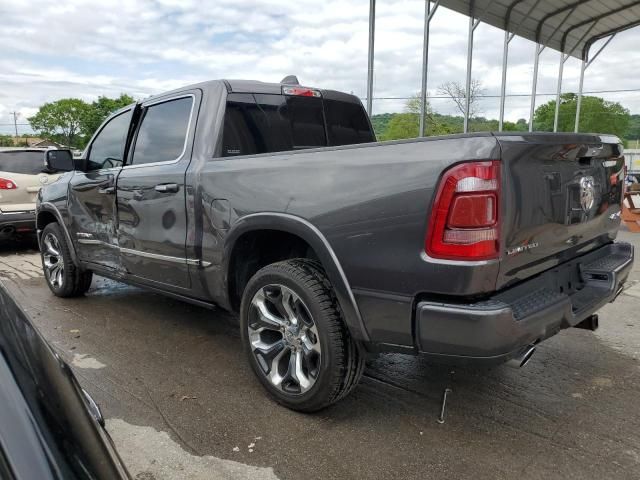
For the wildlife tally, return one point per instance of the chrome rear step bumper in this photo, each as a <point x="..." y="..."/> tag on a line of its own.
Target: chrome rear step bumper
<point x="502" y="327"/>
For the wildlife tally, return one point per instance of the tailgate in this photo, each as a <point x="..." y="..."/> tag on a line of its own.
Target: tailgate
<point x="562" y="198"/>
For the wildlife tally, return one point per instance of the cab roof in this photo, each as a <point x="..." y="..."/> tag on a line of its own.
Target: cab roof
<point x="255" y="86"/>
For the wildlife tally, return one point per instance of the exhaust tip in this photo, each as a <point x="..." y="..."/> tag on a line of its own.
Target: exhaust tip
<point x="523" y="357"/>
<point x="527" y="356"/>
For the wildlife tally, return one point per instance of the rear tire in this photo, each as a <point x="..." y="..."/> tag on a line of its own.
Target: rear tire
<point x="295" y="337"/>
<point x="63" y="276"/>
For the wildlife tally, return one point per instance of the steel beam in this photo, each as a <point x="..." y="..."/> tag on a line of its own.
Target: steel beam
<point x="507" y="18"/>
<point x="577" y="44"/>
<point x="579" y="102"/>
<point x="590" y="61"/>
<point x="563" y="59"/>
<point x="473" y="23"/>
<point x="428" y="15"/>
<point x="372" y="28"/>
<point x="536" y="62"/>
<point x="503" y="86"/>
<point x="600" y="36"/>
<point x="565" y="8"/>
<point x="585" y="65"/>
<point x="596" y="19"/>
<point x="505" y="52"/>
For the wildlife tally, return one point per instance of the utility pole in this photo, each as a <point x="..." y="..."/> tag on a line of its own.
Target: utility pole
<point x="15" y="123"/>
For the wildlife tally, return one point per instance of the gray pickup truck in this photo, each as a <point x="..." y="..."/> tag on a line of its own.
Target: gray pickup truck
<point x="275" y="201"/>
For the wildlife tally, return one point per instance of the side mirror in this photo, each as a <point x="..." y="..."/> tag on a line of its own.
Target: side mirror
<point x="59" y="160"/>
<point x="80" y="164"/>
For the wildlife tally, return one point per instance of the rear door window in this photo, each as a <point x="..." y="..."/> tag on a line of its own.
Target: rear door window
<point x="163" y="132"/>
<point x="266" y="123"/>
<point x="30" y="163"/>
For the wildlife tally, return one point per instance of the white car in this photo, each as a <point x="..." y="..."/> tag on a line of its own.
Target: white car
<point x="23" y="172"/>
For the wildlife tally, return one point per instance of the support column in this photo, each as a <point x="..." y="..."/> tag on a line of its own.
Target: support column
<point x="428" y="15"/>
<point x="473" y="23"/>
<point x="563" y="59"/>
<point x="586" y="65"/>
<point x="579" y="103"/>
<point x="503" y="89"/>
<point x="539" y="49"/>
<point x="372" y="28"/>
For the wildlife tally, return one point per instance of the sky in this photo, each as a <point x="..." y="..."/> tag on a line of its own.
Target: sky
<point x="76" y="48"/>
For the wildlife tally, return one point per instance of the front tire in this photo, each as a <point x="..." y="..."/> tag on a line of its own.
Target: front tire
<point x="63" y="276"/>
<point x="296" y="340"/>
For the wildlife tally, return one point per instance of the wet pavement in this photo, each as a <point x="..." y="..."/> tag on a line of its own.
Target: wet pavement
<point x="181" y="402"/>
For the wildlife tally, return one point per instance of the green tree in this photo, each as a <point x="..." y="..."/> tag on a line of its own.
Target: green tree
<point x="597" y="115"/>
<point x="407" y="125"/>
<point x="402" y="125"/>
<point x="633" y="131"/>
<point x="380" y="123"/>
<point x="520" y="126"/>
<point x="101" y="109"/>
<point x="6" y="141"/>
<point x="63" y="117"/>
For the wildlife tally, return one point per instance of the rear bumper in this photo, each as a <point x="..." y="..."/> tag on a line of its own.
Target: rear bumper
<point x="496" y="329"/>
<point x="12" y="222"/>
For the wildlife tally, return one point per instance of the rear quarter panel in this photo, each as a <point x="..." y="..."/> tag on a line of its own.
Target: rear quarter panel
<point x="370" y="202"/>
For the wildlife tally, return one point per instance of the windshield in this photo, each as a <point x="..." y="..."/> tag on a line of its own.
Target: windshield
<point x="264" y="123"/>
<point x="26" y="162"/>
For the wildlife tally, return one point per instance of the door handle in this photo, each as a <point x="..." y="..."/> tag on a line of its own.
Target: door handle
<point x="167" y="188"/>
<point x="107" y="190"/>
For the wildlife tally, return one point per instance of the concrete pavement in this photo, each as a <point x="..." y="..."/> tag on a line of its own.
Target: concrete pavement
<point x="181" y="402"/>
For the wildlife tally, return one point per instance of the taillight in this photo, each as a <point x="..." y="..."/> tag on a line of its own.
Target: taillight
<point x="301" y="91"/>
<point x="7" y="184"/>
<point x="464" y="223"/>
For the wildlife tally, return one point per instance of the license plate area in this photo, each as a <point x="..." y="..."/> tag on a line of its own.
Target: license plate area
<point x="568" y="278"/>
<point x="582" y="282"/>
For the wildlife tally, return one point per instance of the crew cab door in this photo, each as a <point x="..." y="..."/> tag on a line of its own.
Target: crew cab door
<point x="152" y="220"/>
<point x="92" y="194"/>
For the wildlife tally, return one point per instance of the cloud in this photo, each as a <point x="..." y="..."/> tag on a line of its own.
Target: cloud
<point x="85" y="49"/>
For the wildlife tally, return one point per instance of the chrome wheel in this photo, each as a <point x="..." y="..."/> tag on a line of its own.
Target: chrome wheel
<point x="53" y="261"/>
<point x="284" y="339"/>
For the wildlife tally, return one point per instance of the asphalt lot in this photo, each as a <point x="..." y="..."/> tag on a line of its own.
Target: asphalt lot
<point x="181" y="402"/>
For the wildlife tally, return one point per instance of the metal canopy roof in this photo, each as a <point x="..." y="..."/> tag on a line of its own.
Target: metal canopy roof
<point x="569" y="26"/>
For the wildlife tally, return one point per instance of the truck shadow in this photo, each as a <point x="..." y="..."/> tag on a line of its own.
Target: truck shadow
<point x="560" y="367"/>
<point x="19" y="244"/>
